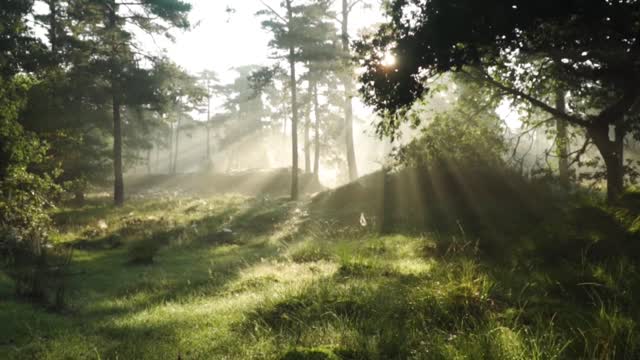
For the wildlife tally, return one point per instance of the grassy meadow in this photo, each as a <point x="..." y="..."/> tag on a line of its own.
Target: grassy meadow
<point x="236" y="277"/>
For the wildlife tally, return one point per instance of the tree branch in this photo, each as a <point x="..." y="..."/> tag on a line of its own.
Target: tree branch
<point x="578" y="153"/>
<point x="353" y="4"/>
<point x="536" y="102"/>
<point x="274" y="12"/>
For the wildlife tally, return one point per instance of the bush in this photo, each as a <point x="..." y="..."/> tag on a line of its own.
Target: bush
<point x="40" y="272"/>
<point x="25" y="196"/>
<point x="143" y="251"/>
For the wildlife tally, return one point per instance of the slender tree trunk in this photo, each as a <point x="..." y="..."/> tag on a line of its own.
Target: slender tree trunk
<point x="562" y="142"/>
<point x="177" y="150"/>
<point x="307" y="131"/>
<point x="612" y="153"/>
<point x="316" y="111"/>
<point x="157" y="158"/>
<point x="208" y="128"/>
<point x="348" y="93"/>
<point x="386" y="213"/>
<point x="149" y="161"/>
<point x="170" y="155"/>
<point x="78" y="197"/>
<point x="208" y="144"/>
<point x="294" y="112"/>
<point x="118" y="189"/>
<point x="284" y="120"/>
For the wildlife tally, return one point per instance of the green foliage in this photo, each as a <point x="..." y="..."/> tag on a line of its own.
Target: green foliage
<point x="60" y="109"/>
<point x="25" y="196"/>
<point x="470" y="142"/>
<point x="527" y="52"/>
<point x="21" y="49"/>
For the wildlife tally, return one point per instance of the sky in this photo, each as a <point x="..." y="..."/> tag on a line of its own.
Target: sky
<point x="221" y="40"/>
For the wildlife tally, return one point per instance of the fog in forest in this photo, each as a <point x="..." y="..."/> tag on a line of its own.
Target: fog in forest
<point x="319" y="179"/>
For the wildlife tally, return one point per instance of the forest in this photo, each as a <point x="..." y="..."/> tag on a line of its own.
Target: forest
<point x="320" y="179"/>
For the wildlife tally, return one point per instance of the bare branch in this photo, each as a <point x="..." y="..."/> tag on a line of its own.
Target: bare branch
<point x="353" y="4"/>
<point x="274" y="12"/>
<point x="578" y="153"/>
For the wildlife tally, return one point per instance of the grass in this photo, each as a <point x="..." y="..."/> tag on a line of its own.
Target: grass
<point x="288" y="286"/>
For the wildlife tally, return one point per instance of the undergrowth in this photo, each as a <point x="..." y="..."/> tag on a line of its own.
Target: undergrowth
<point x="241" y="278"/>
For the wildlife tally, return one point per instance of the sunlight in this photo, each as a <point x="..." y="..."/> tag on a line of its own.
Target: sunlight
<point x="389" y="59"/>
<point x="298" y="179"/>
<point x="509" y="115"/>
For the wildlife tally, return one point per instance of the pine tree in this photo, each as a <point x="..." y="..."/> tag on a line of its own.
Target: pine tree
<point x="292" y="33"/>
<point x="111" y="21"/>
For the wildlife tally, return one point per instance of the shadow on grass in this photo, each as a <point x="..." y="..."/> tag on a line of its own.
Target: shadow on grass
<point x="387" y="314"/>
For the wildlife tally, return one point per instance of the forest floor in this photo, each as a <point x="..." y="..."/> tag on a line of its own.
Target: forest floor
<point x="279" y="283"/>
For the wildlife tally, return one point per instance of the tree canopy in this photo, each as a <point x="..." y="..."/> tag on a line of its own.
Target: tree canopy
<point x="523" y="49"/>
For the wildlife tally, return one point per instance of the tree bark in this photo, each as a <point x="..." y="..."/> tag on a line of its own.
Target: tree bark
<point x="208" y="157"/>
<point x="386" y="213"/>
<point x="316" y="111"/>
<point x="294" y="111"/>
<point x="149" y="161"/>
<point x="174" y="169"/>
<point x="79" y="197"/>
<point x="118" y="188"/>
<point x="157" y="167"/>
<point x="307" y="132"/>
<point x="562" y="142"/>
<point x="170" y="157"/>
<point x="348" y="93"/>
<point x="612" y="153"/>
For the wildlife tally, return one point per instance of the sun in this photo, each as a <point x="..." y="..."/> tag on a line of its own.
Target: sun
<point x="389" y="59"/>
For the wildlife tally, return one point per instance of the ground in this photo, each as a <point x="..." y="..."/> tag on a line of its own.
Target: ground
<point x="164" y="278"/>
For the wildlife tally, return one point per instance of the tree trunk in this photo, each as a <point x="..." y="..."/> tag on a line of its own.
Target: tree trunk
<point x="157" y="158"/>
<point x="284" y="120"/>
<point x="316" y="111"/>
<point x="386" y="213"/>
<point x="562" y="142"/>
<point x="612" y="153"/>
<point x="348" y="93"/>
<point x="149" y="161"/>
<point x="118" y="188"/>
<point x="307" y="141"/>
<point x="294" y="113"/>
<point x="177" y="150"/>
<point x="170" y="155"/>
<point x="208" y="158"/>
<point x="78" y="197"/>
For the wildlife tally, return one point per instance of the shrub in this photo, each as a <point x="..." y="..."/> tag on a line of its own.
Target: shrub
<point x="144" y="251"/>
<point x="25" y="196"/>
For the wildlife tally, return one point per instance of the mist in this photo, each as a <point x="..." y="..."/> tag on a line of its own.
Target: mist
<point x="319" y="179"/>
